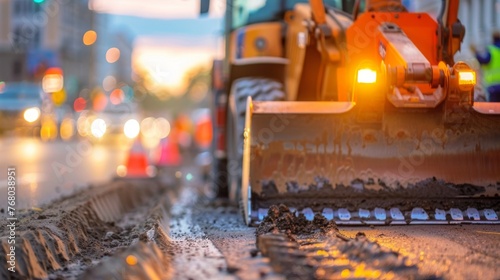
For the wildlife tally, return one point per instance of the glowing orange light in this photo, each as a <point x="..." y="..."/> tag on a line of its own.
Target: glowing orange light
<point x="116" y="96"/>
<point x="467" y="78"/>
<point x="203" y="133"/>
<point x="131" y="260"/>
<point x="112" y="55"/>
<point x="79" y="104"/>
<point x="367" y="76"/>
<point x="100" y="102"/>
<point x="89" y="37"/>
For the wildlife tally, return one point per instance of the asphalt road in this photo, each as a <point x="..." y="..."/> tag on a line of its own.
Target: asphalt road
<point x="453" y="251"/>
<point x="437" y="251"/>
<point x="48" y="170"/>
<point x="210" y="241"/>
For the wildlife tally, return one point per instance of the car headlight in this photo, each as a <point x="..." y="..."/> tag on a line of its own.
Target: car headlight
<point x="32" y="114"/>
<point x="131" y="128"/>
<point x="98" y="128"/>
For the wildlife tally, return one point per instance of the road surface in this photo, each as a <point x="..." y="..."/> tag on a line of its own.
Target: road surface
<point x="48" y="170"/>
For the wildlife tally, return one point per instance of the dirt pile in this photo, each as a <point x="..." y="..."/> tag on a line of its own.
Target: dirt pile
<point x="73" y="229"/>
<point x="146" y="256"/>
<point x="280" y="219"/>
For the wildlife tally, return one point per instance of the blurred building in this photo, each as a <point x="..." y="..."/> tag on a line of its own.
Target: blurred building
<point x="21" y="24"/>
<point x="114" y="57"/>
<point x="480" y="18"/>
<point x="39" y="34"/>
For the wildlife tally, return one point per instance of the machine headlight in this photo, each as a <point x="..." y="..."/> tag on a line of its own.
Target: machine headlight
<point x="98" y="128"/>
<point x="131" y="128"/>
<point x="32" y="114"/>
<point x="367" y="76"/>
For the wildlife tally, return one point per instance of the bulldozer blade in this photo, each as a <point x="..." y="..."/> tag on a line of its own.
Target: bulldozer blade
<point x="411" y="166"/>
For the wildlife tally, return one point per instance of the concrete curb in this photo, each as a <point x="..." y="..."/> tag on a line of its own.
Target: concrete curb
<point x="53" y="240"/>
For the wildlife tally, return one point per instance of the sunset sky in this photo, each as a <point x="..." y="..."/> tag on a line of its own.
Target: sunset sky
<point x="170" y="36"/>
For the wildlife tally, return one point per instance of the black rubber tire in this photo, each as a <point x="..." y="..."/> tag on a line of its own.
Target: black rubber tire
<point x="219" y="178"/>
<point x="260" y="89"/>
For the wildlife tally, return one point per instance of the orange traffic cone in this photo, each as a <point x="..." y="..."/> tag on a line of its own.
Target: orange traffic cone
<point x="169" y="154"/>
<point x="136" y="165"/>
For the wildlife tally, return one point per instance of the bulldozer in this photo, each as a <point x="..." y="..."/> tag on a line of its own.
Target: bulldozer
<point x="354" y="110"/>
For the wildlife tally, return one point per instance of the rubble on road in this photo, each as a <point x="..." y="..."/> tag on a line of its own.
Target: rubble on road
<point x="71" y="231"/>
<point x="302" y="249"/>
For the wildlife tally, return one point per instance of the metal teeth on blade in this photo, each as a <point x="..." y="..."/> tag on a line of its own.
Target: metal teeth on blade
<point x="328" y="213"/>
<point x="395" y="216"/>
<point x="419" y="214"/>
<point x="490" y="215"/>
<point x="364" y="214"/>
<point x="473" y="214"/>
<point x="344" y="214"/>
<point x="308" y="213"/>
<point x="380" y="214"/>
<point x="440" y="215"/>
<point x="456" y="214"/>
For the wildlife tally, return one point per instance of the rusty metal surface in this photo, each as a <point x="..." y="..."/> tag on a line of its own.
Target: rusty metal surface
<point x="405" y="150"/>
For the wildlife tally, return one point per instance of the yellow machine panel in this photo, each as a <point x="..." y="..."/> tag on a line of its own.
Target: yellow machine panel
<point x="256" y="40"/>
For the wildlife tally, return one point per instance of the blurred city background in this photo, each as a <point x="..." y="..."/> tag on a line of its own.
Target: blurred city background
<point x="80" y="80"/>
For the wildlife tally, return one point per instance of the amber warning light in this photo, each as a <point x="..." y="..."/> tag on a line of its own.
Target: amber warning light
<point x="367" y="76"/>
<point x="466" y="80"/>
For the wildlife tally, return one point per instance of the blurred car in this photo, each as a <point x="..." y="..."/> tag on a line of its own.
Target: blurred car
<point x="114" y="122"/>
<point x="23" y="106"/>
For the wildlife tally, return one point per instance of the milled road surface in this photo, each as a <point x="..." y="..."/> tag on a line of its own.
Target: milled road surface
<point x="455" y="252"/>
<point x="208" y="240"/>
<point x="426" y="252"/>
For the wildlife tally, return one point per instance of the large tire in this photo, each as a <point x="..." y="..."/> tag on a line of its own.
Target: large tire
<point x="260" y="89"/>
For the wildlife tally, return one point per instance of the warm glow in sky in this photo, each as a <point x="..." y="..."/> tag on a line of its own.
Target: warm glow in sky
<point x="168" y="64"/>
<point x="170" y="37"/>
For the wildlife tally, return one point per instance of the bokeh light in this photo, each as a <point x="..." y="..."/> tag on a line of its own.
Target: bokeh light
<point x="89" y="37"/>
<point x="131" y="260"/>
<point x="112" y="55"/>
<point x="131" y="128"/>
<point x="83" y="124"/>
<point x="128" y="93"/>
<point x="162" y="127"/>
<point x="79" y="104"/>
<point x="32" y="114"/>
<point x="155" y="128"/>
<point x="98" y="128"/>
<point x="109" y="83"/>
<point x="100" y="102"/>
<point x="117" y="96"/>
<point x="67" y="128"/>
<point x="48" y="130"/>
<point x="147" y="127"/>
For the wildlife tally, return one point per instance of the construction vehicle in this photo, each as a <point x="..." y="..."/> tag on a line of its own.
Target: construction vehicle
<point x="356" y="112"/>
